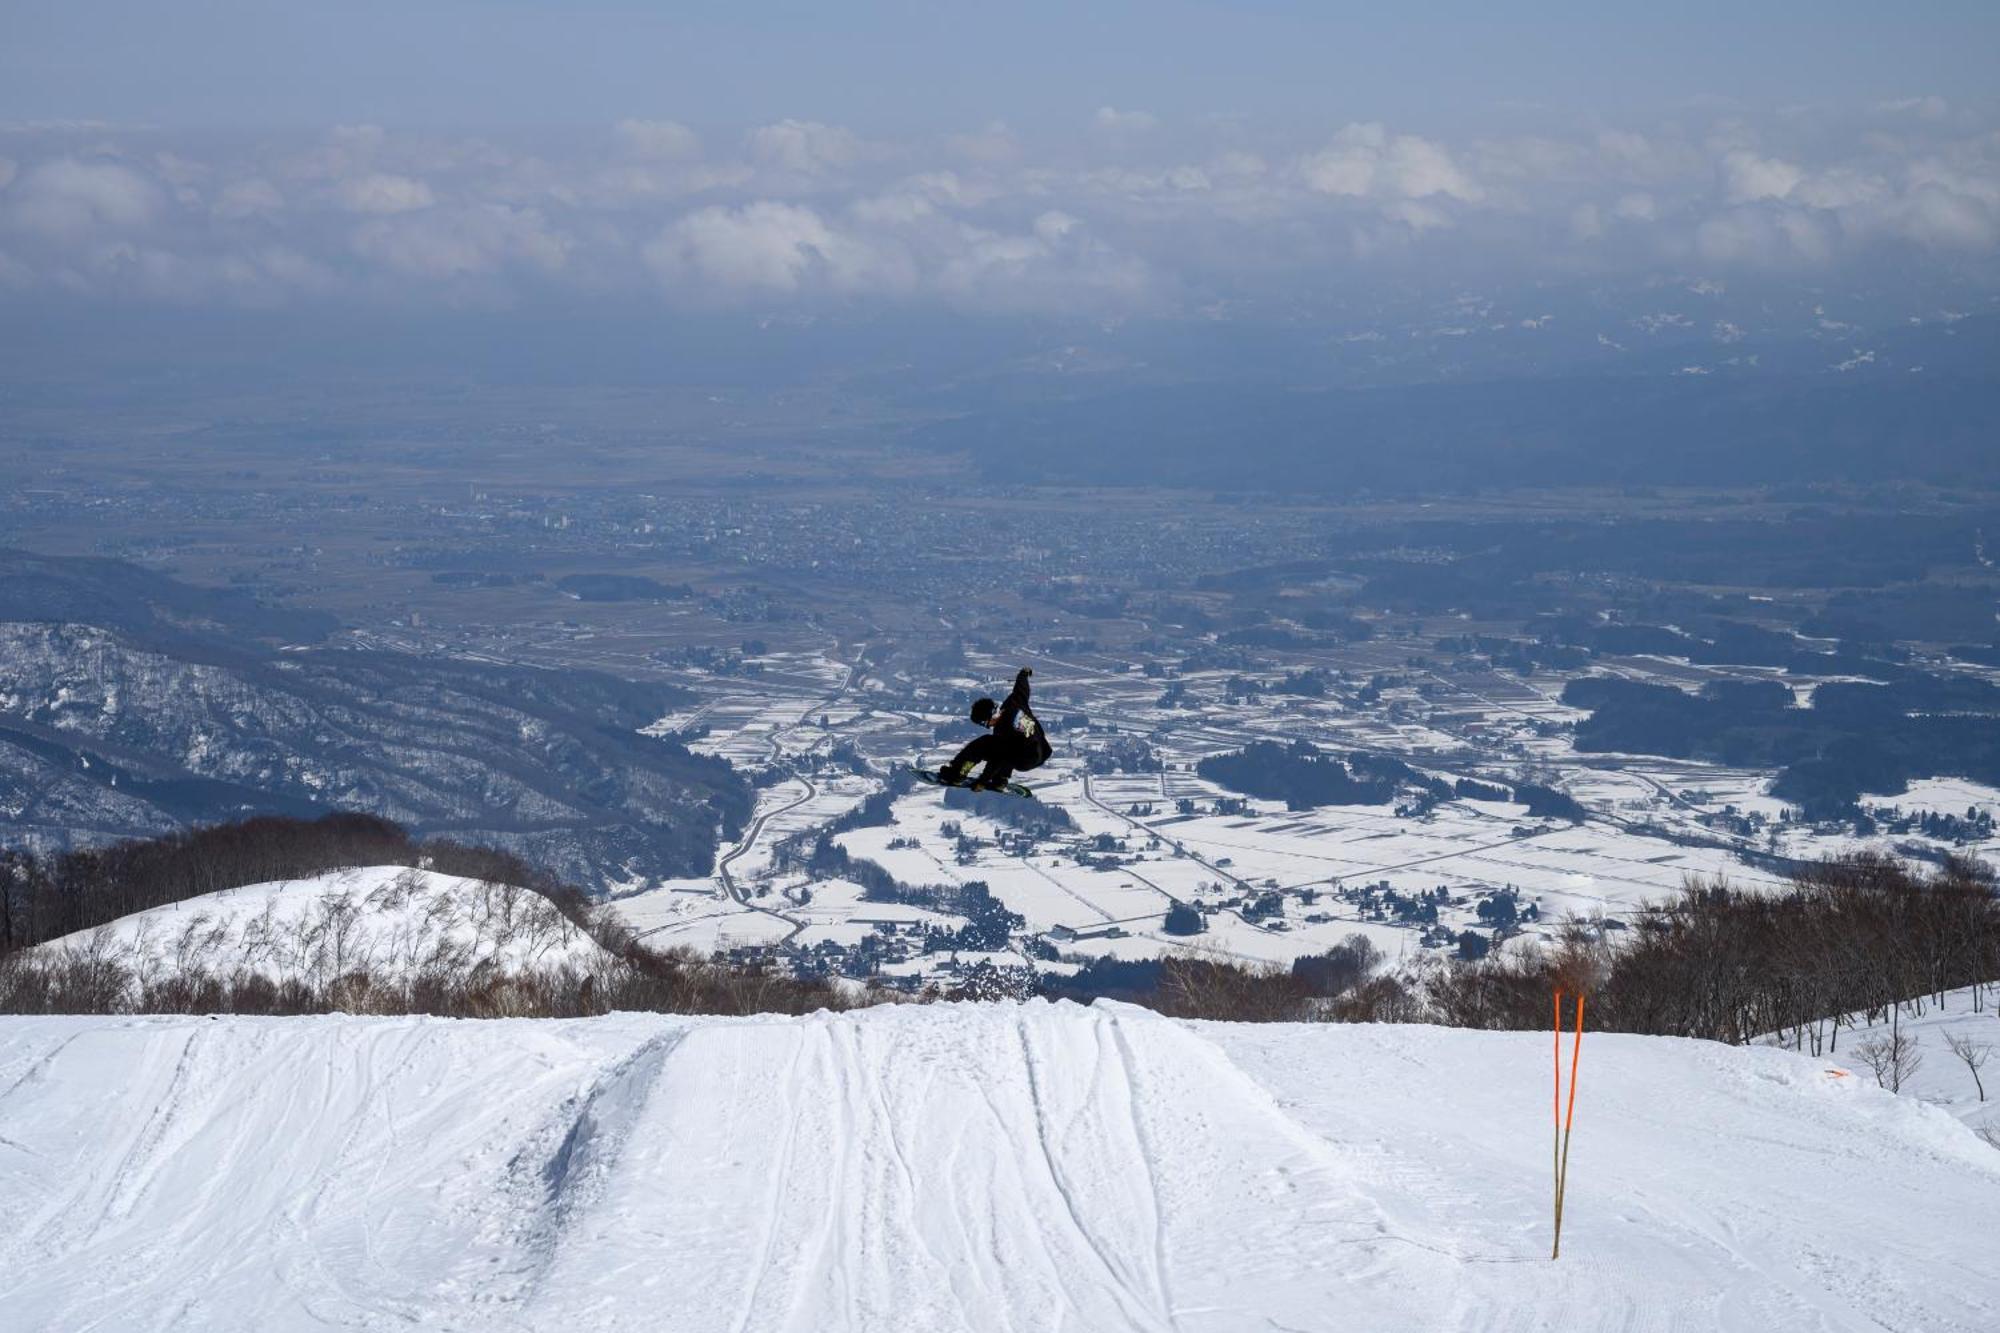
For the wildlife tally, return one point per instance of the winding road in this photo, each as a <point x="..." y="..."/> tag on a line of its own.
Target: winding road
<point x="748" y="841"/>
<point x="744" y="845"/>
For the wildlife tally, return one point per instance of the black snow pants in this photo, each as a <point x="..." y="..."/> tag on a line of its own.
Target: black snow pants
<point x="995" y="751"/>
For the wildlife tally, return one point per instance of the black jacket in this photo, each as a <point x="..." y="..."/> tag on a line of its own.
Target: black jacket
<point x="1017" y="726"/>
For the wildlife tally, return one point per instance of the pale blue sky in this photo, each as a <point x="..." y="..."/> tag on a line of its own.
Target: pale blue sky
<point x="892" y="68"/>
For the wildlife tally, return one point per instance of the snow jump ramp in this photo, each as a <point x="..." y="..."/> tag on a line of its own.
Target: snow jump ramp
<point x="1006" y="1167"/>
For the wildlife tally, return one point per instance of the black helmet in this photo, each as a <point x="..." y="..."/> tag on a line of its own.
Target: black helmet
<point x="982" y="709"/>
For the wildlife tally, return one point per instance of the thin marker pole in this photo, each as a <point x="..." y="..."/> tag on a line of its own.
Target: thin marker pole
<point x="1569" y="1121"/>
<point x="1555" y="1152"/>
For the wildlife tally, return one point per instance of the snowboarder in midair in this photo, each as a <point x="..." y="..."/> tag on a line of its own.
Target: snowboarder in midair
<point x="1015" y="740"/>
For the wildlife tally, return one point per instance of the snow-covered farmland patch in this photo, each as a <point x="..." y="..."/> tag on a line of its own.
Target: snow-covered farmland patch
<point x="838" y="911"/>
<point x="1948" y="796"/>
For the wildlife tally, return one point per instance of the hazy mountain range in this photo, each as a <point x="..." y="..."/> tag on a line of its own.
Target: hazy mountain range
<point x="131" y="704"/>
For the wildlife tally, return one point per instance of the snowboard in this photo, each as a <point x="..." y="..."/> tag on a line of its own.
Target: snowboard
<point x="1011" y="789"/>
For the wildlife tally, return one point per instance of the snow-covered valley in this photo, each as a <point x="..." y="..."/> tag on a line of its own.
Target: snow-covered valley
<point x="961" y="1167"/>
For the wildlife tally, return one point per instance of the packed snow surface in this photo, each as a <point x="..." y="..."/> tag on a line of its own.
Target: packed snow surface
<point x="1028" y="1167"/>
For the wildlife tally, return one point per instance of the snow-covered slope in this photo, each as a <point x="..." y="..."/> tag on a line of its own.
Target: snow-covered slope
<point x="393" y="922"/>
<point x="1936" y="1074"/>
<point x="960" y="1167"/>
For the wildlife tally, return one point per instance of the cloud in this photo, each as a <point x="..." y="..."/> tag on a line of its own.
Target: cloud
<point x="1635" y="206"/>
<point x="1924" y="108"/>
<point x="628" y="184"/>
<point x="1941" y="218"/>
<point x="461" y="242"/>
<point x="804" y="146"/>
<point x="1113" y="123"/>
<point x="1770" y="237"/>
<point x="254" y="197"/>
<point x="1366" y="161"/>
<point x="1841" y="187"/>
<point x="346" y="150"/>
<point x="1131" y="215"/>
<point x="762" y="247"/>
<point x="662" y="140"/>
<point x="1238" y="165"/>
<point x="993" y="146"/>
<point x="67" y="198"/>
<point x="1748" y="177"/>
<point x="921" y="196"/>
<point x="1057" y="264"/>
<point x="384" y="192"/>
<point x="178" y="170"/>
<point x="1416" y="216"/>
<point x="902" y="253"/>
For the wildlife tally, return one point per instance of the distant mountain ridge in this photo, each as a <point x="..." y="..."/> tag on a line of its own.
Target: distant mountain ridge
<point x="146" y="606"/>
<point x="174" y="712"/>
<point x="1934" y="420"/>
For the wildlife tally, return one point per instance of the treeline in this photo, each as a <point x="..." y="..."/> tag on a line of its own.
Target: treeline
<point x="622" y="588"/>
<point x="1855" y="738"/>
<point x="1297" y="774"/>
<point x="45" y="897"/>
<point x="1301" y="776"/>
<point x="86" y="980"/>
<point x="1859" y="935"/>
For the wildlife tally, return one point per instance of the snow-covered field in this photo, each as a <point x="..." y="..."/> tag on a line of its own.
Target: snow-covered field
<point x="961" y="1167"/>
<point x="1652" y="823"/>
<point x="1467" y="846"/>
<point x="393" y="922"/>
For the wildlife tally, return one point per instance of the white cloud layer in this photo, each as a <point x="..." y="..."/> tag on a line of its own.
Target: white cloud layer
<point x="66" y="199"/>
<point x="384" y="192"/>
<point x="1367" y="161"/>
<point x="663" y="139"/>
<point x="1133" y="216"/>
<point x="1116" y="124"/>
<point x="804" y="146"/>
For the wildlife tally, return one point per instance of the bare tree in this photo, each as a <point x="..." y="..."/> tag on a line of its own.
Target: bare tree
<point x="1975" y="1054"/>
<point x="1892" y="1059"/>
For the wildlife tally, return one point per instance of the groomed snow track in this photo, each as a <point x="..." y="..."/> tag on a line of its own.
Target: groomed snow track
<point x="1024" y="1168"/>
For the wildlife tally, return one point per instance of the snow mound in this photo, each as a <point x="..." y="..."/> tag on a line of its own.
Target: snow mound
<point x="960" y="1167"/>
<point x="394" y="922"/>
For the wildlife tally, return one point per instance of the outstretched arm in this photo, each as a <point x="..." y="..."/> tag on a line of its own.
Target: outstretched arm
<point x="1016" y="700"/>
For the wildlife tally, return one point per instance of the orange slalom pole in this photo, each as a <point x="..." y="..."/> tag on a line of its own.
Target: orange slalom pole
<point x="1555" y="1153"/>
<point x="1569" y="1121"/>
